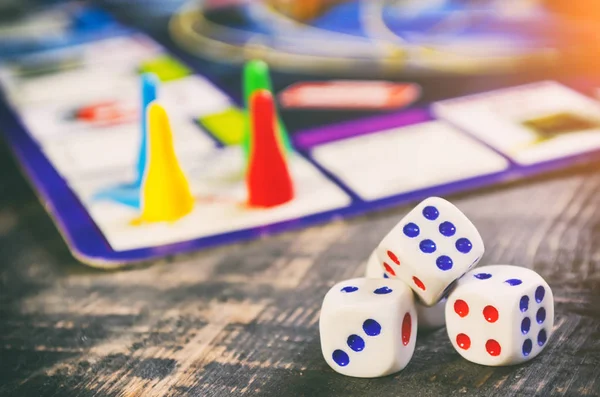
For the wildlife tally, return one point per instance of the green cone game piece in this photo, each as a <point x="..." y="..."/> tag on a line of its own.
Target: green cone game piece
<point x="256" y="77"/>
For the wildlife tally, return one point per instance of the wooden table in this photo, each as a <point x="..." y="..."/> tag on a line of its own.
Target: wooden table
<point x="242" y="320"/>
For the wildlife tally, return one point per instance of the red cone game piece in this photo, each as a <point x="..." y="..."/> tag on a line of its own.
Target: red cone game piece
<point x="268" y="177"/>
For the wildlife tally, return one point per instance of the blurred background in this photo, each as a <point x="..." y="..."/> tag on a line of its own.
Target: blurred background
<point x="448" y="47"/>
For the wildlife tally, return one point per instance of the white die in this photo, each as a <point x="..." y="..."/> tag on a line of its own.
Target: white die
<point x="368" y="327"/>
<point x="374" y="269"/>
<point x="429" y="317"/>
<point x="500" y="315"/>
<point x="431" y="247"/>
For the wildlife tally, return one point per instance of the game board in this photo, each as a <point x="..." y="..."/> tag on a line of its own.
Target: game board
<point x="71" y="116"/>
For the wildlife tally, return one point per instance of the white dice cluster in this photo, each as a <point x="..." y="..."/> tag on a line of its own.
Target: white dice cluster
<point x="421" y="275"/>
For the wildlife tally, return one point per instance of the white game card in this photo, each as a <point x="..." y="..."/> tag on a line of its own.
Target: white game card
<point x="92" y="153"/>
<point x="531" y="123"/>
<point x="405" y="159"/>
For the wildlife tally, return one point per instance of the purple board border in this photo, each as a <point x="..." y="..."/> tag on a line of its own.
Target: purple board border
<point x="321" y="135"/>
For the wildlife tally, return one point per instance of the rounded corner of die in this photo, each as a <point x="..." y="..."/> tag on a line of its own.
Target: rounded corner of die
<point x="435" y="199"/>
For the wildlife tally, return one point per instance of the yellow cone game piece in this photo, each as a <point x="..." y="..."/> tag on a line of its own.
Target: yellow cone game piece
<point x="165" y="193"/>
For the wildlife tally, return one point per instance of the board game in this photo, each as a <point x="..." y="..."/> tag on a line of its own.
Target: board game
<point x="72" y="117"/>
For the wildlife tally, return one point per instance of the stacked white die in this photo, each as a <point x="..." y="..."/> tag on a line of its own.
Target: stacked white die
<point x="430" y="249"/>
<point x="430" y="318"/>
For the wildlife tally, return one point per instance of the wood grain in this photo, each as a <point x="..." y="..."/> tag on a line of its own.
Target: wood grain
<point x="242" y="320"/>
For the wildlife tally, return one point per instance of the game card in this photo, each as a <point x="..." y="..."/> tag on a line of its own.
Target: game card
<point x="405" y="159"/>
<point x="531" y="123"/>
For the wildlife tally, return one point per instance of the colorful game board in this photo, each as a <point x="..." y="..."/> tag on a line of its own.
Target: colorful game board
<point x="72" y="118"/>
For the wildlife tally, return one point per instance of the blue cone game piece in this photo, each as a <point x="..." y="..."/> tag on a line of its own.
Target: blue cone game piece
<point x="129" y="194"/>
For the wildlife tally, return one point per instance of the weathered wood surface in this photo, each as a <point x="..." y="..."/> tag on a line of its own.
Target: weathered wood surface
<point x="242" y="320"/>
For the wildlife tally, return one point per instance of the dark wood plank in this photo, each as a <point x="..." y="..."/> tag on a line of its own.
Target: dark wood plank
<point x="243" y="319"/>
